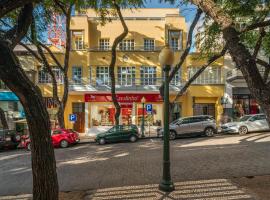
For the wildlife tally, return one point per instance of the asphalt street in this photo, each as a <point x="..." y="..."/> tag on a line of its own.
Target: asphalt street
<point x="91" y="166"/>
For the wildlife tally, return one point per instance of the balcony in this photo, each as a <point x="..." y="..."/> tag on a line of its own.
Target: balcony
<point x="150" y="85"/>
<point x="234" y="74"/>
<point x="132" y="49"/>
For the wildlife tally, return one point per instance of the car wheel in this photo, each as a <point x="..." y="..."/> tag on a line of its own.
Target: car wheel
<point x="28" y="147"/>
<point x="133" y="138"/>
<point x="172" y="135"/>
<point x="102" y="141"/>
<point x="209" y="132"/>
<point x="64" y="144"/>
<point x="243" y="130"/>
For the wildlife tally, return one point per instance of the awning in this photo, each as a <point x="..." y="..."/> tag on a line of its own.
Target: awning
<point x="8" y="96"/>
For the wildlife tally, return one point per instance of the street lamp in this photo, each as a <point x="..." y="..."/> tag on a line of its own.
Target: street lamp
<point x="142" y="125"/>
<point x="166" y="58"/>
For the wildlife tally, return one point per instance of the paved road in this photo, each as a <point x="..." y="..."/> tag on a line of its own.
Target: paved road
<point x="90" y="166"/>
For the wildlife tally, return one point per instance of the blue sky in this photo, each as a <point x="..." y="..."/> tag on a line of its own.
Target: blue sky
<point x="186" y="11"/>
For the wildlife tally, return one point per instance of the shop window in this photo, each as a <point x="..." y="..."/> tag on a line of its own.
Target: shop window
<point x="126" y="45"/>
<point x="104" y="44"/>
<point x="204" y="109"/>
<point x="102" y="115"/>
<point x="148" y="75"/>
<point x="77" y="75"/>
<point x="78" y="40"/>
<point x="45" y="77"/>
<point x="126" y="76"/>
<point x="149" y="44"/>
<point x="175" y="39"/>
<point x="211" y="75"/>
<point x="103" y="76"/>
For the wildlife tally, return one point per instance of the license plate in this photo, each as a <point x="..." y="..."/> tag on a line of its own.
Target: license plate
<point x="8" y="139"/>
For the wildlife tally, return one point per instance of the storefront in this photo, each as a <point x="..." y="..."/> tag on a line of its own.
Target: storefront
<point x="244" y="104"/>
<point x="102" y="111"/>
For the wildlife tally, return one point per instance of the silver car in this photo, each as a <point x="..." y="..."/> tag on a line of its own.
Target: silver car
<point x="247" y="123"/>
<point x="190" y="126"/>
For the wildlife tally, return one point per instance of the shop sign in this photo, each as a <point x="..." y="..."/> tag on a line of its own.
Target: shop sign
<point x="123" y="98"/>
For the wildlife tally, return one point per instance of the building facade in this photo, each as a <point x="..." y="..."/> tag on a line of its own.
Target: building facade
<point x="138" y="72"/>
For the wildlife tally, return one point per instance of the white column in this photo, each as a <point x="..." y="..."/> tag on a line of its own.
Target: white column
<point x="133" y="119"/>
<point x="86" y="117"/>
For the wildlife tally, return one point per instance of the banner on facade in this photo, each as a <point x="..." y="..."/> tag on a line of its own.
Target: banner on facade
<point x="123" y="98"/>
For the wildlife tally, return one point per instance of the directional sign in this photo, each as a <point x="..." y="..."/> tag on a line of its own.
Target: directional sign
<point x="73" y="117"/>
<point x="149" y="108"/>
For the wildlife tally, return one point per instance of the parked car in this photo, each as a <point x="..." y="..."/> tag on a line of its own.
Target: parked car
<point x="247" y="123"/>
<point x="60" y="138"/>
<point x="191" y="126"/>
<point x="119" y="133"/>
<point x="9" y="139"/>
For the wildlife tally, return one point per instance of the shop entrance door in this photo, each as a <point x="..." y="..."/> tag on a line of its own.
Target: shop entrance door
<point x="78" y="109"/>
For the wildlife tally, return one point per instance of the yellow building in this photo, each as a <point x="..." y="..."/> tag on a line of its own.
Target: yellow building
<point x="138" y="72"/>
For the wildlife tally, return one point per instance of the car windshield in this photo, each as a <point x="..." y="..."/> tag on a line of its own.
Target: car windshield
<point x="244" y="118"/>
<point x="176" y="121"/>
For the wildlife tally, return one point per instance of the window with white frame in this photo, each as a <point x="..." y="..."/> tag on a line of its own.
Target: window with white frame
<point x="175" y="39"/>
<point x="126" y="75"/>
<point x="78" y="40"/>
<point x="176" y="79"/>
<point x="149" y="44"/>
<point x="104" y="44"/>
<point x="103" y="76"/>
<point x="77" y="74"/>
<point x="148" y="75"/>
<point x="211" y="75"/>
<point x="126" y="45"/>
<point x="45" y="77"/>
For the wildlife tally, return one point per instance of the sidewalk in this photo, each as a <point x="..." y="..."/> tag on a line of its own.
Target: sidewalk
<point x="248" y="188"/>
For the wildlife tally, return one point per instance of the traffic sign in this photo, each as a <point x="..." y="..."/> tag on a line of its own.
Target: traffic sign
<point x="149" y="108"/>
<point x="73" y="117"/>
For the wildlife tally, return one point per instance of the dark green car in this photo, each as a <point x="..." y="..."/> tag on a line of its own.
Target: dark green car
<point x="119" y="133"/>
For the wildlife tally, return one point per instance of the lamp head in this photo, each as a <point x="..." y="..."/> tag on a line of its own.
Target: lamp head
<point x="166" y="56"/>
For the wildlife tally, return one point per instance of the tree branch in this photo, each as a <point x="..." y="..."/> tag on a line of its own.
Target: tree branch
<point x="259" y="43"/>
<point x="31" y="51"/>
<point x="190" y="81"/>
<point x="62" y="6"/>
<point x="7" y="6"/>
<point x="186" y="51"/>
<point x="256" y="25"/>
<point x="263" y="63"/>
<point x="15" y="34"/>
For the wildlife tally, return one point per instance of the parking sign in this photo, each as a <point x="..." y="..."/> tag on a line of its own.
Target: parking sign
<point x="149" y="108"/>
<point x="73" y="117"/>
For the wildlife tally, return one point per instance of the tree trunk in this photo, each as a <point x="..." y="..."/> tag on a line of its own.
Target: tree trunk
<point x="117" y="40"/>
<point x="45" y="184"/>
<point x="3" y="119"/>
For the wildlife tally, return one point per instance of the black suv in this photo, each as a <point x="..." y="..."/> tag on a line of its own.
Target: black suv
<point x="9" y="139"/>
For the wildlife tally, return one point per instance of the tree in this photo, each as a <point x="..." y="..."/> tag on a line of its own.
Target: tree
<point x="107" y="9"/>
<point x="62" y="8"/>
<point x="45" y="184"/>
<point x="222" y="14"/>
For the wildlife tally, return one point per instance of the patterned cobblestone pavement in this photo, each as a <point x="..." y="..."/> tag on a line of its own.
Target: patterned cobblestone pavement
<point x="214" y="189"/>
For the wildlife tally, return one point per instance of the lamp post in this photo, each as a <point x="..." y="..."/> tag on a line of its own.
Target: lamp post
<point x="166" y="58"/>
<point x="142" y="125"/>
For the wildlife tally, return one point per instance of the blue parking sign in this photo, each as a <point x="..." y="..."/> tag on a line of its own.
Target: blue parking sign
<point x="149" y="108"/>
<point x="73" y="117"/>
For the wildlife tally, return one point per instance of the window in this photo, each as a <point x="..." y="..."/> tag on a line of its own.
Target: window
<point x="126" y="45"/>
<point x="126" y="75"/>
<point x="211" y="75"/>
<point x="176" y="79"/>
<point x="103" y="77"/>
<point x="77" y="37"/>
<point x="45" y="77"/>
<point x="13" y="106"/>
<point x="204" y="109"/>
<point x="149" y="44"/>
<point x="104" y="44"/>
<point x="78" y="107"/>
<point x="148" y="75"/>
<point x="77" y="75"/>
<point x="175" y="39"/>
